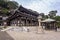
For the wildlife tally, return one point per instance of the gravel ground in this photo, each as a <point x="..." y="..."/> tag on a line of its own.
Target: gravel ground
<point x="48" y="35"/>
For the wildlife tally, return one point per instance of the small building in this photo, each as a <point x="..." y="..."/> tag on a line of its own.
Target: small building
<point x="49" y="23"/>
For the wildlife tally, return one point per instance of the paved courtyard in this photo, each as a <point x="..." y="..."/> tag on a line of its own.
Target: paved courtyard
<point x="34" y="36"/>
<point x="5" y="36"/>
<point x="19" y="35"/>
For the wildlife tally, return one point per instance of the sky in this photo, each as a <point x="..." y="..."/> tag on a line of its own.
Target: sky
<point x="41" y="6"/>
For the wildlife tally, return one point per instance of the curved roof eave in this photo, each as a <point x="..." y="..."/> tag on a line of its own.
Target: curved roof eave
<point x="48" y="20"/>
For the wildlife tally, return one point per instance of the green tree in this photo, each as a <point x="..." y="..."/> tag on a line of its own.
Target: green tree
<point x="12" y="4"/>
<point x="57" y="18"/>
<point x="3" y="4"/>
<point x="43" y="15"/>
<point x="52" y="13"/>
<point x="6" y="6"/>
<point x="5" y="11"/>
<point x="46" y="16"/>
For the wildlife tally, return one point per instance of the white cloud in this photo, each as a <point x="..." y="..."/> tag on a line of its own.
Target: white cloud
<point x="41" y="5"/>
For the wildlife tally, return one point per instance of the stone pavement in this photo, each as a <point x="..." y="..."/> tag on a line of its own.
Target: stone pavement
<point x="5" y="36"/>
<point x="16" y="34"/>
<point x="49" y="35"/>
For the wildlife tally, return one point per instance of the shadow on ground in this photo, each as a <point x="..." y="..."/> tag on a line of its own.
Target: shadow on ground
<point x="5" y="36"/>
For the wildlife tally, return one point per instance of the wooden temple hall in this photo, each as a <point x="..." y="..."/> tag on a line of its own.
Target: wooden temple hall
<point x="23" y="17"/>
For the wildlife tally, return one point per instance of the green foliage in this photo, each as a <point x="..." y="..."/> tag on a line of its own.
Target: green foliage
<point x="46" y="16"/>
<point x="57" y="18"/>
<point x="52" y="13"/>
<point x="58" y="24"/>
<point x="42" y="14"/>
<point x="6" y="6"/>
<point x="5" y="11"/>
<point x="12" y="4"/>
<point x="3" y="4"/>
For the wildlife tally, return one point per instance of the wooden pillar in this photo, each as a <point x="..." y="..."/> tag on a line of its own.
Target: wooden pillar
<point x="31" y="23"/>
<point x="20" y="24"/>
<point x="55" y="26"/>
<point x="26" y="22"/>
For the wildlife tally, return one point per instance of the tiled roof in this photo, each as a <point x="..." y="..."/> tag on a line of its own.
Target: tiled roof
<point x="48" y="20"/>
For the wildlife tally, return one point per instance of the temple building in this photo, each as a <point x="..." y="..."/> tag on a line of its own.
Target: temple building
<point x="23" y="17"/>
<point x="49" y="23"/>
<point x="26" y="17"/>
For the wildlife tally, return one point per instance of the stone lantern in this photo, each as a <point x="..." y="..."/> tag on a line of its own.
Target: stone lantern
<point x="5" y="24"/>
<point x="40" y="29"/>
